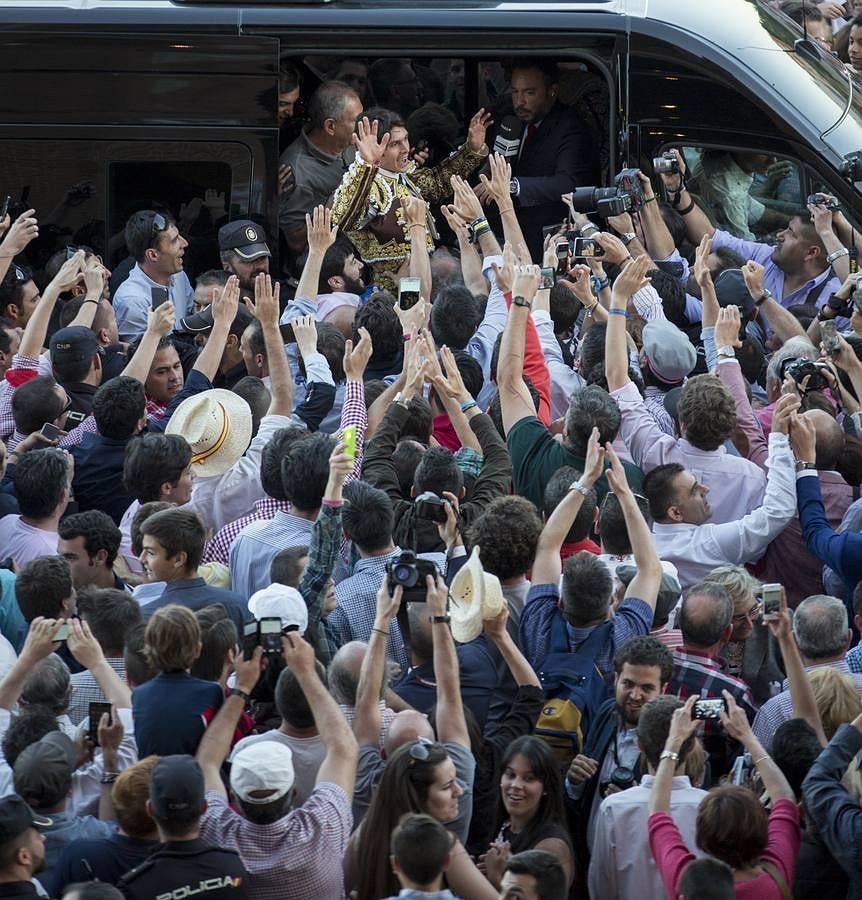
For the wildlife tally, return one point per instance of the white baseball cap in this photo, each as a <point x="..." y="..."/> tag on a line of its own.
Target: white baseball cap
<point x="280" y="601"/>
<point x="262" y="766"/>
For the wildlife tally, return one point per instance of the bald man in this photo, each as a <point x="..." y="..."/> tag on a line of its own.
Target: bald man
<point x="343" y="680"/>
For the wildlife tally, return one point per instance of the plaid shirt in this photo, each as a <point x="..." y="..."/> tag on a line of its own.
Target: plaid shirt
<point x="322" y="555"/>
<point x="218" y="548"/>
<point x="86" y="690"/>
<point x="854" y="659"/>
<point x="779" y="709"/>
<point x="294" y="858"/>
<point x="697" y="673"/>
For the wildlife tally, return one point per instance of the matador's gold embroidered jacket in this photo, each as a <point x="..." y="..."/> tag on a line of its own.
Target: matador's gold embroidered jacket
<point x="367" y="207"/>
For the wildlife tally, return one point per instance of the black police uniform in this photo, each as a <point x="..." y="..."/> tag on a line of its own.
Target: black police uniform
<point x="180" y="869"/>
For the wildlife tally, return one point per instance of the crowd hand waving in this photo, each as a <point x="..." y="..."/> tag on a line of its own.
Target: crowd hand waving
<point x="305" y="332"/>
<point x="465" y="203"/>
<point x="505" y="275"/>
<point x="497" y="188"/>
<point x="341" y="464"/>
<point x="414" y="372"/>
<point x="415" y="210"/>
<point x="727" y="327"/>
<point x="615" y="474"/>
<point x="82" y="645"/>
<point x="95" y="277"/>
<point x="160" y="320"/>
<point x="367" y="145"/>
<point x="580" y="285"/>
<point x="321" y="232"/>
<point x="526" y="283"/>
<point x="356" y="357"/>
<point x="69" y="273"/>
<point x="594" y="463"/>
<point x="451" y="384"/>
<point x="455" y="221"/>
<point x="23" y="230"/>
<point x="631" y="279"/>
<point x="224" y="307"/>
<point x="264" y="307"/>
<point x="700" y="269"/>
<point x="476" y="130"/>
<point x="549" y="249"/>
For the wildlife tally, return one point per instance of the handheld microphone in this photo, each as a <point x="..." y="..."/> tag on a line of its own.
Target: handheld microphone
<point x="508" y="139"/>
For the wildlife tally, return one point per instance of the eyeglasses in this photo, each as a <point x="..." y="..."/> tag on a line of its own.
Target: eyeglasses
<point x="642" y="501"/>
<point x="419" y="749"/>
<point x="753" y="613"/>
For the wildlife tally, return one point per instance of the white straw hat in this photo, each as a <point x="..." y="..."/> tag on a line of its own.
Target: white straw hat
<point x="476" y="595"/>
<point x="217" y="425"/>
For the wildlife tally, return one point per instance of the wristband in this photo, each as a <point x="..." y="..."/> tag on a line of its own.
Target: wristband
<point x="522" y="301"/>
<point x="91" y="300"/>
<point x="618" y="312"/>
<point x="687" y="210"/>
<point x="760" y="759"/>
<point x="439" y="620"/>
<point x="468" y="404"/>
<point x="238" y="692"/>
<point x="584" y="228"/>
<point x="837" y="255"/>
<point x="109" y="777"/>
<point x="669" y="754"/>
<point x="417" y="225"/>
<point x="381" y="631"/>
<point x="650" y="199"/>
<point x="627" y="237"/>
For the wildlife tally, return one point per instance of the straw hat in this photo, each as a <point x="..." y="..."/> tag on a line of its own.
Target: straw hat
<point x="217" y="425"/>
<point x="476" y="595"/>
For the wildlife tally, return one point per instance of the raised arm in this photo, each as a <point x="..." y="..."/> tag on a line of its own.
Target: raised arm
<point x="515" y="400"/>
<point x="366" y="722"/>
<point x="87" y="651"/>
<point x="23" y="230"/>
<point x="36" y="328"/>
<point x="265" y="310"/>
<point x="632" y="278"/>
<point x="416" y="212"/>
<point x="451" y="724"/>
<point x="339" y="764"/>
<point x="215" y="744"/>
<point x="321" y="236"/>
<point x="224" y="309"/>
<point x="471" y="261"/>
<point x="522" y="672"/>
<point x="467" y="207"/>
<point x="159" y="323"/>
<point x="38" y="644"/>
<point x="499" y="187"/>
<point x="784" y="323"/>
<point x="682" y="727"/>
<point x="697" y="223"/>
<point x="547" y="566"/>
<point x="838" y="256"/>
<point x="658" y="238"/>
<point x="647" y="579"/>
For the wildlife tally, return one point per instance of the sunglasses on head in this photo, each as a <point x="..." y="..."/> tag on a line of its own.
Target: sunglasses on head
<point x="419" y="749"/>
<point x="21" y="273"/>
<point x="160" y="224"/>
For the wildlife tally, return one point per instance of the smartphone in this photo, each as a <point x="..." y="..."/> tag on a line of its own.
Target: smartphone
<point x="829" y="335"/>
<point x="52" y="432"/>
<point x="4" y="211"/>
<point x="249" y="639"/>
<point x="771" y="599"/>
<point x="158" y="296"/>
<point x="96" y="712"/>
<point x="549" y="277"/>
<point x="408" y="292"/>
<point x="562" y="258"/>
<point x="348" y="435"/>
<point x="287" y="334"/>
<point x="62" y="632"/>
<point x="708" y="709"/>
<point x="587" y="248"/>
<point x="270" y="635"/>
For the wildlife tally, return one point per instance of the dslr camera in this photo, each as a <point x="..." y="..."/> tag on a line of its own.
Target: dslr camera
<point x="799" y="368"/>
<point x="626" y="196"/>
<point x="666" y="164"/>
<point x="409" y="571"/>
<point x="429" y="506"/>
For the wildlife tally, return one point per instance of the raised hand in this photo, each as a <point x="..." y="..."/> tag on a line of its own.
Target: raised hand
<point x="505" y="275"/>
<point x="415" y="210"/>
<point x="356" y="357"/>
<point x="321" y="232"/>
<point x="727" y="327"/>
<point x="160" y="320"/>
<point x="224" y="307"/>
<point x="498" y="186"/>
<point x="631" y="279"/>
<point x="594" y="463"/>
<point x="466" y="203"/>
<point x="580" y="284"/>
<point x="615" y="250"/>
<point x="23" y="230"/>
<point x="366" y="142"/>
<point x="476" y="130"/>
<point x="526" y="282"/>
<point x="305" y="332"/>
<point x="700" y="269"/>
<point x="286" y="180"/>
<point x="616" y="474"/>
<point x="69" y="273"/>
<point x="264" y="307"/>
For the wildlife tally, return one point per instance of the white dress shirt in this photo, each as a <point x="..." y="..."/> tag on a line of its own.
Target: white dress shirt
<point x="622" y="864"/>
<point x="717" y="469"/>
<point x="697" y="549"/>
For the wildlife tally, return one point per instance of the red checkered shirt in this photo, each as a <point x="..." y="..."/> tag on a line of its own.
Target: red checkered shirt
<point x="218" y="548"/>
<point x="297" y="857"/>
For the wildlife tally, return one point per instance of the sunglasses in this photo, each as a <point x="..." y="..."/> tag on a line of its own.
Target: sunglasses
<point x="419" y="749"/>
<point x="642" y="501"/>
<point x="160" y="224"/>
<point x="22" y="274"/>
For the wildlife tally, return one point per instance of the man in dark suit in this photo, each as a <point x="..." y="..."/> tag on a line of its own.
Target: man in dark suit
<point x="554" y="156"/>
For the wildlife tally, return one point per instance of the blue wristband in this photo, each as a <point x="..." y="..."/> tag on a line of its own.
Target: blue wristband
<point x="468" y="404"/>
<point x="618" y="312"/>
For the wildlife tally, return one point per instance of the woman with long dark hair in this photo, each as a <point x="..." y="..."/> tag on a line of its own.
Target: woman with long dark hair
<point x="532" y="814"/>
<point x="420" y="778"/>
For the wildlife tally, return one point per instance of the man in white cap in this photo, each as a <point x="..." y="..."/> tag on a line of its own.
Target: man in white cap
<point x="706" y="411"/>
<point x="289" y="853"/>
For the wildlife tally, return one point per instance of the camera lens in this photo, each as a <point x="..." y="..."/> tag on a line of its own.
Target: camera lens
<point x="405" y="575"/>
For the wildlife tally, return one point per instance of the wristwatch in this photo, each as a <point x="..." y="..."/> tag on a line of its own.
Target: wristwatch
<point x="588" y="229"/>
<point x="627" y="237"/>
<point x="766" y="295"/>
<point x="399" y="399"/>
<point x="577" y="486"/>
<point x="725" y="353"/>
<point x="439" y="620"/>
<point x="514" y="187"/>
<point x="237" y="692"/>
<point x="802" y="466"/>
<point x="522" y="301"/>
<point x="668" y="754"/>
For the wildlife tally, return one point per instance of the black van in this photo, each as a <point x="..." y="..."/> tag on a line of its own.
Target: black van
<point x="110" y="105"/>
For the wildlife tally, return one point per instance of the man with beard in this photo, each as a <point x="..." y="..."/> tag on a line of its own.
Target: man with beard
<point x="22" y="847"/>
<point x="368" y="205"/>
<point x="611" y="758"/>
<point x="244" y="252"/>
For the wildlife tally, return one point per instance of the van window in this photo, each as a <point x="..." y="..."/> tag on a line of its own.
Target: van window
<point x="84" y="190"/>
<point x="751" y="194"/>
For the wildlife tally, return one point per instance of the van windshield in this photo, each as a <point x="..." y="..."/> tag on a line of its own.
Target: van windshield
<point x="825" y="96"/>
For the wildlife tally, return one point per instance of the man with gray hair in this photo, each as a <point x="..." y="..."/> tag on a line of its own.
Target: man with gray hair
<point x="48" y="685"/>
<point x="706" y="623"/>
<point x="821" y="632"/>
<point x="317" y="157"/>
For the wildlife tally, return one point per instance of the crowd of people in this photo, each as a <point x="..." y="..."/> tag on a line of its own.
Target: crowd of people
<point x="502" y="544"/>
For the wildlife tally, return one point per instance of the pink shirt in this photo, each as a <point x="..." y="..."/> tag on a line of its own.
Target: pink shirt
<point x="672" y="855"/>
<point x="23" y="542"/>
